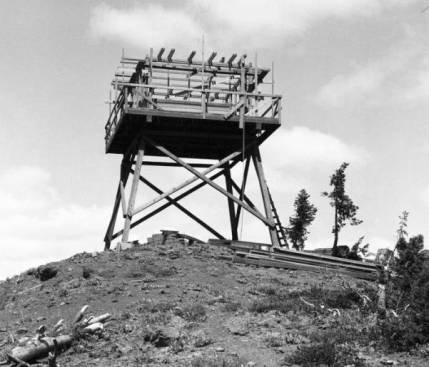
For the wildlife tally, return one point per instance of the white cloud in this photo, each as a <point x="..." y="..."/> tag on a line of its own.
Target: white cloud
<point x="402" y="75"/>
<point x="425" y="195"/>
<point x="304" y="148"/>
<point x="222" y="21"/>
<point x="355" y="86"/>
<point x="146" y="26"/>
<point x="37" y="227"/>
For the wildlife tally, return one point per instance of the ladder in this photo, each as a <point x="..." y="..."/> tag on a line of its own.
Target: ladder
<point x="281" y="234"/>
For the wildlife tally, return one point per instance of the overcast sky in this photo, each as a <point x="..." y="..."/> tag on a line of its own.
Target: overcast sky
<point x="355" y="80"/>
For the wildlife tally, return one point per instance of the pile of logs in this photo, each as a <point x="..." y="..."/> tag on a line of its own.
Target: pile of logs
<point x="49" y="343"/>
<point x="259" y="254"/>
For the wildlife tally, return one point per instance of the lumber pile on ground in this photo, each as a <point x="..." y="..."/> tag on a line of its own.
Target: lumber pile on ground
<point x="259" y="254"/>
<point x="49" y="343"/>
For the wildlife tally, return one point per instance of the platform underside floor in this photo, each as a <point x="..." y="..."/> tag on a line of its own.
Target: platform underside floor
<point x="187" y="135"/>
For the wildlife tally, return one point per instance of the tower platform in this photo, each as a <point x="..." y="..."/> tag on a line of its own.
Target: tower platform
<point x="180" y="109"/>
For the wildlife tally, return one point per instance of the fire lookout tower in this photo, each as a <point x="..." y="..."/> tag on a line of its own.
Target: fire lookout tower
<point x="185" y="109"/>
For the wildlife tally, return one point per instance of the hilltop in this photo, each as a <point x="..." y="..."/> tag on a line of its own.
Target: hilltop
<point x="185" y="304"/>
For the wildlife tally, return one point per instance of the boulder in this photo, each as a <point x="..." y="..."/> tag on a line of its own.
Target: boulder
<point x="46" y="272"/>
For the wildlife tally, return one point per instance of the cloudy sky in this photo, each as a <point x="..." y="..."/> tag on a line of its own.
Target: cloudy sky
<point x="355" y="79"/>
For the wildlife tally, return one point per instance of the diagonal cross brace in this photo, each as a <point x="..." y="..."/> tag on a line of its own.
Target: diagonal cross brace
<point x="200" y="175"/>
<point x="180" y="197"/>
<point x="181" y="207"/>
<point x="205" y="172"/>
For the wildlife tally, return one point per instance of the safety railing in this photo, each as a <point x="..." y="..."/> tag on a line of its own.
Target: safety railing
<point x="194" y="100"/>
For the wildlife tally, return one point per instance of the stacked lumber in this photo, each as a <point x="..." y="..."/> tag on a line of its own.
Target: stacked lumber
<point x="259" y="254"/>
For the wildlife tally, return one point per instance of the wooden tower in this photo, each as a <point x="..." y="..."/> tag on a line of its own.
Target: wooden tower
<point x="185" y="109"/>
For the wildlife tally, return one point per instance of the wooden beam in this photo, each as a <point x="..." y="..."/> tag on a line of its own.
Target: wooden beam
<point x="159" y="56"/>
<point x="180" y="197"/>
<point x="191" y="56"/>
<point x="170" y="54"/>
<point x="182" y="208"/>
<point x="133" y="194"/>
<point x="173" y="164"/>
<point x="123" y="202"/>
<point x="193" y="179"/>
<point x="231" y="206"/>
<point x="231" y="59"/>
<point x="202" y="176"/>
<point x="211" y="57"/>
<point x="123" y="177"/>
<point x="243" y="188"/>
<point x="265" y="197"/>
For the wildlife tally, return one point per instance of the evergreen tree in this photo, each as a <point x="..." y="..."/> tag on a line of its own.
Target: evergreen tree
<point x="305" y="213"/>
<point x="345" y="210"/>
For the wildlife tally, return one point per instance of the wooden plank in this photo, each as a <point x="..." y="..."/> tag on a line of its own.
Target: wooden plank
<point x="203" y="177"/>
<point x="291" y="265"/>
<point x="310" y="261"/>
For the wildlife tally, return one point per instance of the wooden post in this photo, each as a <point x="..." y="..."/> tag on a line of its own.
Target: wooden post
<point x="231" y="206"/>
<point x="133" y="194"/>
<point x="265" y="197"/>
<point x="242" y="90"/>
<point x="125" y="169"/>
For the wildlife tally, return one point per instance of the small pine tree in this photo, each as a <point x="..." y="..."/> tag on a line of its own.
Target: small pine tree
<point x="305" y="213"/>
<point x="407" y="293"/>
<point x="345" y="210"/>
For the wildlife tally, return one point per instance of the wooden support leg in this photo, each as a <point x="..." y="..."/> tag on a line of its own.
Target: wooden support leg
<point x="133" y="193"/>
<point x="231" y="207"/>
<point x="265" y="197"/>
<point x="125" y="168"/>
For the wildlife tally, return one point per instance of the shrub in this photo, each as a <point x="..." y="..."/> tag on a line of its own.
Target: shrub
<point x="407" y="293"/>
<point x="195" y="312"/>
<point x="218" y="361"/>
<point x="332" y="347"/>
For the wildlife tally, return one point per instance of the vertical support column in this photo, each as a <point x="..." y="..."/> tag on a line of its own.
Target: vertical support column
<point x="231" y="207"/>
<point x="265" y="196"/>
<point x="242" y="91"/>
<point x="133" y="194"/>
<point x="123" y="178"/>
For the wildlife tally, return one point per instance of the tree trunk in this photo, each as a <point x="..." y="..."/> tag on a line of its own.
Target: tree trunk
<point x="334" y="248"/>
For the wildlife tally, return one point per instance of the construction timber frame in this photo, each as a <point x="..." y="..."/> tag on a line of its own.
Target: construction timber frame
<point x="186" y="110"/>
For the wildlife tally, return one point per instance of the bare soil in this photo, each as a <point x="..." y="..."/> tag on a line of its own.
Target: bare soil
<point x="178" y="305"/>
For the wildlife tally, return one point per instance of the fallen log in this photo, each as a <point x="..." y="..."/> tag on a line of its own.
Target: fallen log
<point x="39" y="348"/>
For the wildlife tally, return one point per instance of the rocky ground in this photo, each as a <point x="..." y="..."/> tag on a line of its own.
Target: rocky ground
<point x="186" y="305"/>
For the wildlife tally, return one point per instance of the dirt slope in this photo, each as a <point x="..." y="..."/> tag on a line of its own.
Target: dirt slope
<point x="180" y="305"/>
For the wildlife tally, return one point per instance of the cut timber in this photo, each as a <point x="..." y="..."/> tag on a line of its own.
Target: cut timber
<point x="40" y="348"/>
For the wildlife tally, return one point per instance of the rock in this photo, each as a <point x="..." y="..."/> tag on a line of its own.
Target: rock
<point x="220" y="349"/>
<point x="173" y="254"/>
<point x="238" y="326"/>
<point x="388" y="362"/>
<point x="46" y="272"/>
<point x="201" y="339"/>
